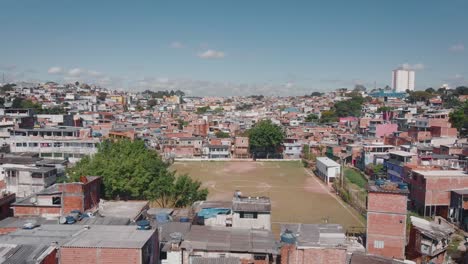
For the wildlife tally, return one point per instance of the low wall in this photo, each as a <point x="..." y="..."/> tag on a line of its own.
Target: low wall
<point x="234" y="159"/>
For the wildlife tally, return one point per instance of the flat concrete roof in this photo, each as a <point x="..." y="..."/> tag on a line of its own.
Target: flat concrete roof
<point x="123" y="209"/>
<point x="402" y="153"/>
<point x="441" y="173"/>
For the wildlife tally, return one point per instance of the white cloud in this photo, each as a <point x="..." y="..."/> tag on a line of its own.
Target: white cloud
<point x="417" y="66"/>
<point x="177" y="45"/>
<point x="55" y="70"/>
<point x="211" y="54"/>
<point x="95" y="73"/>
<point x="76" y="72"/>
<point x="457" y="47"/>
<point x="289" y="85"/>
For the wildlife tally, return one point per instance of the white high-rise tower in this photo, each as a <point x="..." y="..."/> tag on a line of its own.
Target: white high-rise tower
<point x="403" y="80"/>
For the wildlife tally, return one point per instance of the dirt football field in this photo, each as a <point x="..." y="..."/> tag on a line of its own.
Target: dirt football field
<point x="296" y="195"/>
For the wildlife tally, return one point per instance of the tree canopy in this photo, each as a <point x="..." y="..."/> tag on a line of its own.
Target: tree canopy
<point x="19" y="102"/>
<point x="311" y="118"/>
<point x="328" y="116"/>
<point x="202" y="110"/>
<point x="459" y="119"/>
<point x="265" y="137"/>
<point x="419" y="96"/>
<point x="384" y="109"/>
<point x="221" y="134"/>
<point x="350" y="107"/>
<point x="131" y="171"/>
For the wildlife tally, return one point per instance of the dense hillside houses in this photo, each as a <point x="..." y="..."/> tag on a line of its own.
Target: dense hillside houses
<point x="410" y="154"/>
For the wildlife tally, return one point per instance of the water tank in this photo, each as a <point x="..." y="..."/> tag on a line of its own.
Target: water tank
<point x="143" y="225"/>
<point x="70" y="219"/>
<point x="402" y="186"/>
<point x="162" y="218"/>
<point x="176" y="237"/>
<point x="62" y="220"/>
<point x="29" y="225"/>
<point x="184" y="220"/>
<point x="379" y="182"/>
<point x="288" y="237"/>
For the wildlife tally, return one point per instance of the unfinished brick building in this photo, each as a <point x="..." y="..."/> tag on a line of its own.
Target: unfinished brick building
<point x="386" y="219"/>
<point x="60" y="199"/>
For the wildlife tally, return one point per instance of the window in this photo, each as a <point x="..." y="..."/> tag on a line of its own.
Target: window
<point x="57" y="200"/>
<point x="251" y="215"/>
<point x="379" y="244"/>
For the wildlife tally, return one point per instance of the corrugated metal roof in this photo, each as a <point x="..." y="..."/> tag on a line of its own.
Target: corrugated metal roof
<point x="230" y="260"/>
<point x="229" y="239"/>
<point x="316" y="235"/>
<point x="101" y="236"/>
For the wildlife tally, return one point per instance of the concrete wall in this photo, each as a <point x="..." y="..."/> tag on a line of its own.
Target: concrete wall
<point x="244" y="257"/>
<point x="263" y="221"/>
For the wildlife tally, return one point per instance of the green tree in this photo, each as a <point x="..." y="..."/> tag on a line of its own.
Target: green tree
<point x="419" y="96"/>
<point x="328" y="117"/>
<point x="384" y="109"/>
<point x="7" y="88"/>
<point x="311" y="118"/>
<point x="221" y="134"/>
<point x="350" y="107"/>
<point x="265" y="137"/>
<point x="202" y="110"/>
<point x="218" y="110"/>
<point x="17" y="102"/>
<point x="131" y="171"/>
<point x="459" y="119"/>
<point x="318" y="94"/>
<point x="182" y="123"/>
<point x="430" y="90"/>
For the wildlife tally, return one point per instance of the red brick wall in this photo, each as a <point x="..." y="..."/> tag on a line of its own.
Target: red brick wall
<point x="386" y="221"/>
<point x="92" y="194"/>
<point x="72" y="202"/>
<point x="289" y="254"/>
<point x="80" y="196"/>
<point x="387" y="202"/>
<point x="51" y="258"/>
<point x="35" y="210"/>
<point x="438" y="189"/>
<point x="2" y="185"/>
<point x="6" y="230"/>
<point x="5" y="203"/>
<point x="99" y="255"/>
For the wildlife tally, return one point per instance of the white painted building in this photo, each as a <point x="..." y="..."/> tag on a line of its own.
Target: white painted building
<point x="403" y="80"/>
<point x="327" y="169"/>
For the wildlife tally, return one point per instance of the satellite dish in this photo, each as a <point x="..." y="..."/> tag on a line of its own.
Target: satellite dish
<point x="33" y="200"/>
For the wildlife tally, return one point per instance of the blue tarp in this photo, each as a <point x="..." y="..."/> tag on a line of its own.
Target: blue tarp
<point x="212" y="212"/>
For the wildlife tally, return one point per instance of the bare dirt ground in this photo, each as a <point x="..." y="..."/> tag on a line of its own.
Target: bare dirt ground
<point x="296" y="194"/>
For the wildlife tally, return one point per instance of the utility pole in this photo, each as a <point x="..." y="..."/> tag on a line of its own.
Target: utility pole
<point x="341" y="171"/>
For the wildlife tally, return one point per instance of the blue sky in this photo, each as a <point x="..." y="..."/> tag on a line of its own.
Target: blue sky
<point x="234" y="47"/>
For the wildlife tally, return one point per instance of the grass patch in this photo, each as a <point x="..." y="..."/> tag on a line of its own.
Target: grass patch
<point x="355" y="177"/>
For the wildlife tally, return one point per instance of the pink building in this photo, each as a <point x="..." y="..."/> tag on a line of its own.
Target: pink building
<point x="381" y="130"/>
